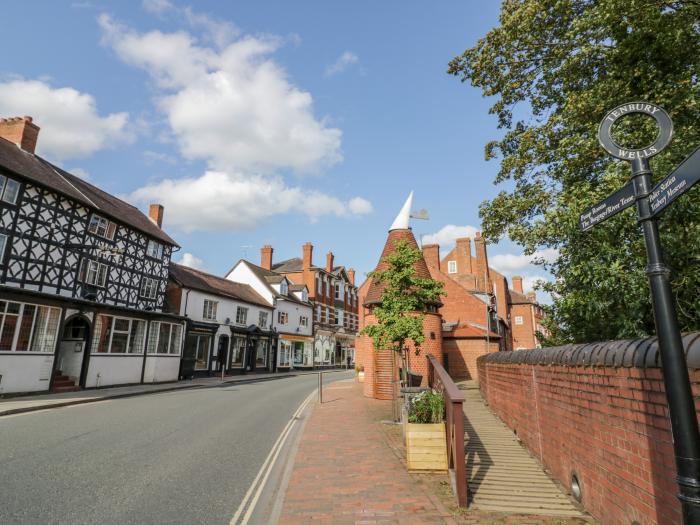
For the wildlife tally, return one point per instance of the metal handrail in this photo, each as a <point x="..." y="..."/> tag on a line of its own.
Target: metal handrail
<point x="440" y="381"/>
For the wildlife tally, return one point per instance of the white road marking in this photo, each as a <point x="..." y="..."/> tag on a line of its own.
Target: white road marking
<point x="266" y="468"/>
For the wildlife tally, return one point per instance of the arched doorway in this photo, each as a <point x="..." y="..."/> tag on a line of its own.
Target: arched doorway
<point x="73" y="355"/>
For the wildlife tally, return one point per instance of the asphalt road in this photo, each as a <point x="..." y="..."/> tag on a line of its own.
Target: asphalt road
<point x="178" y="457"/>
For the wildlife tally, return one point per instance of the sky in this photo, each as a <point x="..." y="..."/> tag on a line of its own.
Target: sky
<point x="265" y="122"/>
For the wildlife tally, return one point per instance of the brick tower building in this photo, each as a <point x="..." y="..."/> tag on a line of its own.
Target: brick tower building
<point x="381" y="366"/>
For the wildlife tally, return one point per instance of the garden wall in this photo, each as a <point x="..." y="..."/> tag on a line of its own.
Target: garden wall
<point x="596" y="411"/>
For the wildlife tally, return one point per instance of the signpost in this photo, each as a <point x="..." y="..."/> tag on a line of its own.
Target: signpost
<point x="650" y="202"/>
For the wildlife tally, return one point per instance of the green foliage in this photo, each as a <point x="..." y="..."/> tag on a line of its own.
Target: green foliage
<point x="427" y="407"/>
<point x="554" y="67"/>
<point x="404" y="299"/>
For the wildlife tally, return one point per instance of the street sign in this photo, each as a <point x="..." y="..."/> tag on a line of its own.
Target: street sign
<point x="656" y="112"/>
<point x="618" y="201"/>
<point x="676" y="184"/>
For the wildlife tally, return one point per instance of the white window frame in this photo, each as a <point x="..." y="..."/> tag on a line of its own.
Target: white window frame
<point x="149" y="288"/>
<point x="152" y="347"/>
<point x="284" y="288"/>
<point x="303" y="320"/>
<point x="154" y="249"/>
<point x="451" y="266"/>
<point x="3" y="245"/>
<point x="113" y="318"/>
<point x="209" y="310"/>
<point x="91" y="266"/>
<point x="519" y="320"/>
<point x="241" y="315"/>
<point x="263" y="318"/>
<point x="44" y="329"/>
<point x="5" y="183"/>
<point x="102" y="227"/>
<point x="282" y="317"/>
<point x="285" y="353"/>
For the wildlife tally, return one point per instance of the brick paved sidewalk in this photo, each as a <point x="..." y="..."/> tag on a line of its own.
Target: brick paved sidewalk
<point x="348" y="470"/>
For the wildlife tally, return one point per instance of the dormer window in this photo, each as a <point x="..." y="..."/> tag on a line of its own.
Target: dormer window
<point x="452" y="267"/>
<point x="304" y="295"/>
<point x="9" y="189"/>
<point x="154" y="249"/>
<point x="284" y="290"/>
<point x="102" y="227"/>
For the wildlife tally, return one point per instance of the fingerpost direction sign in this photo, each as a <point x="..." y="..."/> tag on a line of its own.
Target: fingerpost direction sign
<point x="676" y="183"/>
<point x="618" y="201"/>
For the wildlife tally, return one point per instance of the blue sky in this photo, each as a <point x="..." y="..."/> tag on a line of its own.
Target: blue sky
<point x="264" y="122"/>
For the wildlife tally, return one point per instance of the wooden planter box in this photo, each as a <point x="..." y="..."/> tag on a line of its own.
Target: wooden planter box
<point x="426" y="446"/>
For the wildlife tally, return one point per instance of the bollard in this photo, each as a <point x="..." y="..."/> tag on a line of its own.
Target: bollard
<point x="320" y="387"/>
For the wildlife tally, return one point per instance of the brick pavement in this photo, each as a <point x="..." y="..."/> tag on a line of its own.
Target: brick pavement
<point x="349" y="470"/>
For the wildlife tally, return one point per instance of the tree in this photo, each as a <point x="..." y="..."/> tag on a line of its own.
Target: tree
<point x="554" y="67"/>
<point x="405" y="296"/>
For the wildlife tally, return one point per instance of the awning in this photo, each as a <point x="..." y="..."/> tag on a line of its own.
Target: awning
<point x="304" y="338"/>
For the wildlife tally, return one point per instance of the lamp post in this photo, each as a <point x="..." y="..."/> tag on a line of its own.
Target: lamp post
<point x="650" y="201"/>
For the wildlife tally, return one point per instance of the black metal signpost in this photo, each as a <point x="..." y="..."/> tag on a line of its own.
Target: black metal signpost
<point x="650" y="202"/>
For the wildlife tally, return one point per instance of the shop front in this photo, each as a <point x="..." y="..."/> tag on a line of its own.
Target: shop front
<point x="252" y="350"/>
<point x="295" y="351"/>
<point x="197" y="355"/>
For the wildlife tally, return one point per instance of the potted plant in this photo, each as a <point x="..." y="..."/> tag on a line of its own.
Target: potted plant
<point x="426" y="441"/>
<point x="360" y="373"/>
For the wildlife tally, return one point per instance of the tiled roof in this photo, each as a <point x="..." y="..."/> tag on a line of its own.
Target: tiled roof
<point x="374" y="293"/>
<point x="467" y="331"/>
<point x="44" y="173"/>
<point x="297" y="287"/>
<point x="267" y="276"/>
<point x="519" y="298"/>
<point x="205" y="282"/>
<point x="290" y="265"/>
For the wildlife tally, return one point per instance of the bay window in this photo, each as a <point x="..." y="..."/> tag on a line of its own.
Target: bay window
<point x="118" y="335"/>
<point x="28" y="327"/>
<point x="164" y="338"/>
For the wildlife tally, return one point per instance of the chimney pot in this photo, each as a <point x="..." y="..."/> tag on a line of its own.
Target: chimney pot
<point x="21" y="131"/>
<point x="155" y="213"/>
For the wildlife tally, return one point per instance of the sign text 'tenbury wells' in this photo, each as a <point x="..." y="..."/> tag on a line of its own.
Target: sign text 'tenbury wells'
<point x="618" y="201"/>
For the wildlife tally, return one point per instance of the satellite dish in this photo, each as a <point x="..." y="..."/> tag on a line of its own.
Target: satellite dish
<point x="421" y="214"/>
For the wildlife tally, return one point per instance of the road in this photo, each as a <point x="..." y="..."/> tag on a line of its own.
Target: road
<point x="178" y="457"/>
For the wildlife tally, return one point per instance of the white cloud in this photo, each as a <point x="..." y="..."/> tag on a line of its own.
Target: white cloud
<point x="157" y="6"/>
<point x="192" y="261"/>
<point x="447" y="235"/>
<point x="360" y="206"/>
<point x="71" y="126"/>
<point x="218" y="201"/>
<point x="344" y="61"/>
<point x="510" y="263"/>
<point x="152" y="157"/>
<point x="233" y="106"/>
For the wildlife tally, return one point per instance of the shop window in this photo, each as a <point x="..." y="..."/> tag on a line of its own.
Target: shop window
<point x="118" y="335"/>
<point x="164" y="338"/>
<point x="298" y="353"/>
<point x="237" y="351"/>
<point x="102" y="227"/>
<point x="28" y="327"/>
<point x="261" y="353"/>
<point x="284" y="353"/>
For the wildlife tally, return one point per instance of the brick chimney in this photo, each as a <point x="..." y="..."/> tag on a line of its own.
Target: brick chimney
<point x="266" y="257"/>
<point x="518" y="283"/>
<point x="351" y="276"/>
<point x="155" y="213"/>
<point x="308" y="256"/>
<point x="464" y="255"/>
<point x="482" y="263"/>
<point x="431" y="254"/>
<point x="20" y="130"/>
<point x="532" y="296"/>
<point x="329" y="262"/>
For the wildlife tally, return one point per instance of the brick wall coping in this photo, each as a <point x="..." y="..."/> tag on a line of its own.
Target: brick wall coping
<point x="628" y="353"/>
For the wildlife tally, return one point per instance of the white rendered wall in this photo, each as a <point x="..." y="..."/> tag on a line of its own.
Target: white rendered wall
<point x="114" y="369"/>
<point x="161" y="368"/>
<point x="25" y="372"/>
<point x="225" y="309"/>
<point x="243" y="274"/>
<point x="70" y="362"/>
<point x="294" y="310"/>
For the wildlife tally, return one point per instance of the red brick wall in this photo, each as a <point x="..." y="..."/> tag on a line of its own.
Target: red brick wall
<point x="523" y="334"/>
<point x="607" y="424"/>
<point x="463" y="353"/>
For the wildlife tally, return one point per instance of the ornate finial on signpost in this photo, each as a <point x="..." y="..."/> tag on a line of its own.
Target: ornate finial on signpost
<point x="650" y="202"/>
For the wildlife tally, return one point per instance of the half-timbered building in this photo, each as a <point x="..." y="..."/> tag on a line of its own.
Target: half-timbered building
<point x="82" y="279"/>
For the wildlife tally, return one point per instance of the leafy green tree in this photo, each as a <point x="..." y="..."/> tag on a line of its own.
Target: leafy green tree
<point x="405" y="296"/>
<point x="553" y="69"/>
